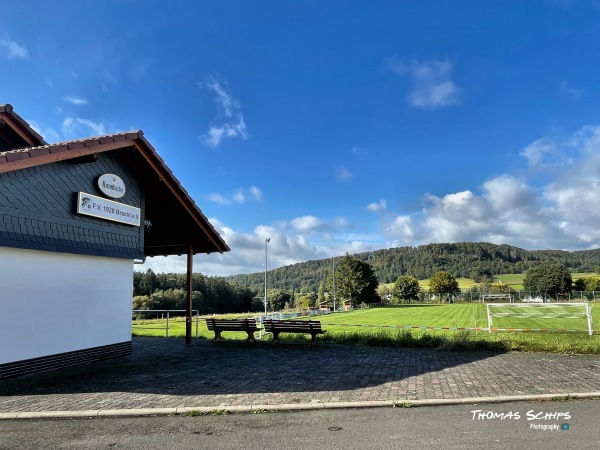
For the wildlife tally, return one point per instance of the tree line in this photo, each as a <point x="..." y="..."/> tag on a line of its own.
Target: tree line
<point x="354" y="281"/>
<point x="476" y="261"/>
<point x="210" y="295"/>
<point x="545" y="279"/>
<point x="357" y="279"/>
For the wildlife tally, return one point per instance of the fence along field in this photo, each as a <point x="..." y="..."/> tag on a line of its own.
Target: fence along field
<point x="436" y="319"/>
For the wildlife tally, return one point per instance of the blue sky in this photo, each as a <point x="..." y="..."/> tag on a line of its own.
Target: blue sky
<point x="333" y="126"/>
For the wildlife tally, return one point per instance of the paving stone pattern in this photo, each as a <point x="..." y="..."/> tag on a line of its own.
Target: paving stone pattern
<point x="165" y="373"/>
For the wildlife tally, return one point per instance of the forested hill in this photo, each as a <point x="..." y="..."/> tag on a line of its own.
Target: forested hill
<point x="463" y="259"/>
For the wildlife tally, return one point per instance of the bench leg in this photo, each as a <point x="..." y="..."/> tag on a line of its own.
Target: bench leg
<point x="217" y="336"/>
<point x="313" y="339"/>
<point x="275" y="337"/>
<point x="250" y="336"/>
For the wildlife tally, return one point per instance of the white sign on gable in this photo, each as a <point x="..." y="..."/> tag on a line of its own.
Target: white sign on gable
<point x="91" y="205"/>
<point x="111" y="185"/>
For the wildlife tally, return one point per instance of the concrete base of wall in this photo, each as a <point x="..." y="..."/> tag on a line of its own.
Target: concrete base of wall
<point x="63" y="360"/>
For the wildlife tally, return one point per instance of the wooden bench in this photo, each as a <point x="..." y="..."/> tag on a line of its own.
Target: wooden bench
<point x="311" y="327"/>
<point x="220" y="325"/>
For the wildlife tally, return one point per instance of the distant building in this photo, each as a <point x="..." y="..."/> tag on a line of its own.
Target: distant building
<point x="327" y="305"/>
<point x="74" y="218"/>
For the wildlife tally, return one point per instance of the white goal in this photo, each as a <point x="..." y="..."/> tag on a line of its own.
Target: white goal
<point x="510" y="298"/>
<point x="536" y="315"/>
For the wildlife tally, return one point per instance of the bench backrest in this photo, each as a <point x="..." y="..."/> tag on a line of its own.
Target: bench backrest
<point x="309" y="325"/>
<point x="241" y="324"/>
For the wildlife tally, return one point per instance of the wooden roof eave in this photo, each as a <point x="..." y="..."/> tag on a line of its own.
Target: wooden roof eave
<point x="167" y="177"/>
<point x="20" y="126"/>
<point x="35" y="156"/>
<point x="25" y="158"/>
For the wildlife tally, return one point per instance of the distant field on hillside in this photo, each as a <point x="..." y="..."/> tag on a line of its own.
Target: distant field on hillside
<point x="513" y="280"/>
<point x="463" y="284"/>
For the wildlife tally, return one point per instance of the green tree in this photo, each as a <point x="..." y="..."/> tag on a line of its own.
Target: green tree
<point x="592" y="284"/>
<point x="406" y="288"/>
<point x="277" y="299"/>
<point x="321" y="293"/>
<point x="141" y="302"/>
<point x="355" y="280"/>
<point x="385" y="292"/>
<point x="480" y="275"/>
<point x="306" y="300"/>
<point x="148" y="283"/>
<point x="551" y="278"/>
<point x="444" y="285"/>
<point x="579" y="285"/>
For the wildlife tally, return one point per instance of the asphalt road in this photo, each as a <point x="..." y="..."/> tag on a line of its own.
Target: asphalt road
<point x="523" y="425"/>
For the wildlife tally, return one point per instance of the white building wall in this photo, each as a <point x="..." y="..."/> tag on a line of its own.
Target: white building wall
<point x="57" y="302"/>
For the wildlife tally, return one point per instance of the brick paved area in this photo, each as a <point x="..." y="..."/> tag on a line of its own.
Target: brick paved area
<point x="164" y="373"/>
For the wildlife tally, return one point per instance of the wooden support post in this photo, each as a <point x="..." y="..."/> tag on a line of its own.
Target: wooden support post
<point x="188" y="307"/>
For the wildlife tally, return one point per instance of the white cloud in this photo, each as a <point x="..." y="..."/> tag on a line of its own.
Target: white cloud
<point x="49" y="134"/>
<point x="311" y="227"/>
<point x="539" y="150"/>
<point x="138" y="69"/>
<point x="299" y="239"/>
<point x="432" y="84"/>
<point x="256" y="193"/>
<point x="68" y="125"/>
<point x="218" y="198"/>
<point x="14" y="49"/>
<point x="239" y="196"/>
<point x="401" y="230"/>
<point x="569" y="91"/>
<point x="223" y="98"/>
<point x="216" y="133"/>
<point x="77" y="101"/>
<point x="562" y="213"/>
<point x="360" y="151"/>
<point x="343" y="174"/>
<point x="377" y="206"/>
<point x="77" y="127"/>
<point x="229" y="122"/>
<point x="307" y="224"/>
<point x="247" y="252"/>
<point x="557" y="152"/>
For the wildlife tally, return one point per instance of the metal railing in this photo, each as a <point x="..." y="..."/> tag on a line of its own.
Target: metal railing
<point x="168" y="316"/>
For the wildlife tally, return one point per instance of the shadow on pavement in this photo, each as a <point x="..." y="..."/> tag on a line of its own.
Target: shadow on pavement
<point x="169" y="367"/>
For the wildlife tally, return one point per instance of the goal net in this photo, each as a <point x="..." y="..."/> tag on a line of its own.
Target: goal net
<point x="538" y="316"/>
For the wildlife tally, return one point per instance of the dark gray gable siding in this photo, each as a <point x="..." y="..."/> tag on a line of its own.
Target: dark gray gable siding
<point x="37" y="209"/>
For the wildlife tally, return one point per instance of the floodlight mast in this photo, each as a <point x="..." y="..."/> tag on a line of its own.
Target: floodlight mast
<point x="267" y="240"/>
<point x="333" y="278"/>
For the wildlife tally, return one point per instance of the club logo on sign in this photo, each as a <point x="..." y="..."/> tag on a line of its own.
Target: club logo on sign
<point x="111" y="185"/>
<point x="86" y="203"/>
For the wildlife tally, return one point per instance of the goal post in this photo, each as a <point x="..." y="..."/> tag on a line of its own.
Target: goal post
<point x="484" y="298"/>
<point x="540" y="311"/>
